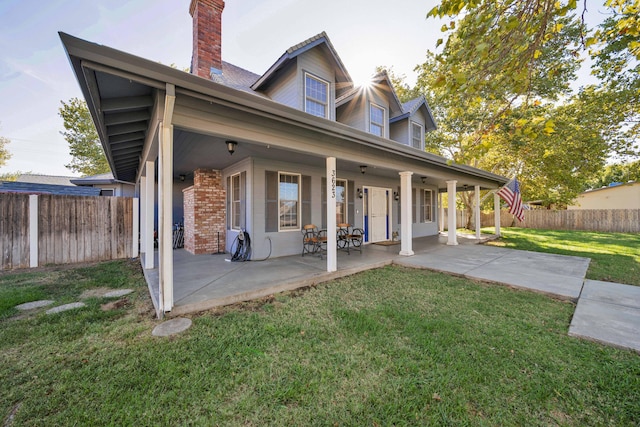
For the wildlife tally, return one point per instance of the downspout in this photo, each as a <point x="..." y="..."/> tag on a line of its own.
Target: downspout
<point x="165" y="202"/>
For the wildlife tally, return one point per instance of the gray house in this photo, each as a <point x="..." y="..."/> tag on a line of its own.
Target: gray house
<point x="225" y="149"/>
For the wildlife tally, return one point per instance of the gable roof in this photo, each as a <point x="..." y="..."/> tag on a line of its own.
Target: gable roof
<point x="409" y="108"/>
<point x="379" y="78"/>
<point x="39" y="188"/>
<point x="294" y="51"/>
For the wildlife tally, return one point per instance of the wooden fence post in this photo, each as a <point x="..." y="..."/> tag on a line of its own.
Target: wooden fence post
<point x="33" y="230"/>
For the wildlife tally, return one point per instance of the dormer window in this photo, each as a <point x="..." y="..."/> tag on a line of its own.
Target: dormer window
<point x="376" y="119"/>
<point x="316" y="96"/>
<point x="417" y="136"/>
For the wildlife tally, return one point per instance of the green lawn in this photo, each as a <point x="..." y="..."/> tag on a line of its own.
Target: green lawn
<point x="391" y="346"/>
<point x="615" y="257"/>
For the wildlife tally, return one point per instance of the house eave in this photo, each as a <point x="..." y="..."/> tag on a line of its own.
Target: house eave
<point x="158" y="76"/>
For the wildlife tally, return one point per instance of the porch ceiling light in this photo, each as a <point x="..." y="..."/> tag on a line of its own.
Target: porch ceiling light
<point x="424" y="179"/>
<point x="231" y="146"/>
<point x="363" y="168"/>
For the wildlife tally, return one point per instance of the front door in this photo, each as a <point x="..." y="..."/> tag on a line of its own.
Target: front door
<point x="378" y="228"/>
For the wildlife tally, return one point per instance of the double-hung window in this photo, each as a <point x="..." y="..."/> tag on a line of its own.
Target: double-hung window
<point x="417" y="137"/>
<point x="236" y="201"/>
<point x="289" y="201"/>
<point x="376" y="119"/>
<point x="427" y="205"/>
<point x="316" y="96"/>
<point x="341" y="201"/>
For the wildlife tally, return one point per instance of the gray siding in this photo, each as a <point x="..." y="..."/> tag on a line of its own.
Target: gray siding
<point x="285" y="243"/>
<point x="285" y="89"/>
<point x="288" y="88"/>
<point x="352" y="114"/>
<point x="399" y="132"/>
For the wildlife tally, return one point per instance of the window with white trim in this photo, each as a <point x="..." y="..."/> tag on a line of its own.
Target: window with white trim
<point x="376" y="119"/>
<point x="289" y="201"/>
<point x="427" y="205"/>
<point x="236" y="201"/>
<point x="316" y="96"/>
<point x="417" y="136"/>
<point x="341" y="201"/>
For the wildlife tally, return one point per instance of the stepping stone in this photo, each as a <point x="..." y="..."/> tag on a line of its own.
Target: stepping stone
<point x="34" y="304"/>
<point x="118" y="293"/>
<point x="65" y="307"/>
<point x="171" y="327"/>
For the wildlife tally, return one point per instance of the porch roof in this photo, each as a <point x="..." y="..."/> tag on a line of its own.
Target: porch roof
<point x="121" y="92"/>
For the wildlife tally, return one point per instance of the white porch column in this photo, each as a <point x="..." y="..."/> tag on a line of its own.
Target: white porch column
<point x="165" y="217"/>
<point x="135" y="241"/>
<point x="165" y="202"/>
<point x="496" y="209"/>
<point x="332" y="250"/>
<point x="147" y="191"/>
<point x="441" y="216"/>
<point x="452" y="239"/>
<point x="476" y="209"/>
<point x="406" y="220"/>
<point x="33" y="230"/>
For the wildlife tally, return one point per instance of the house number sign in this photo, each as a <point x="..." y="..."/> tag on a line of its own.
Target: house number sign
<point x="333" y="184"/>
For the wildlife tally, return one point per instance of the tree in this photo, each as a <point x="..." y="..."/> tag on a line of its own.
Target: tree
<point x="500" y="92"/>
<point x="616" y="172"/>
<point x="4" y="152"/>
<point x="615" y="48"/>
<point x="87" y="154"/>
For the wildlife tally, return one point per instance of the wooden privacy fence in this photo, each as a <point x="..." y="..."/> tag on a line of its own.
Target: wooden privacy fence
<point x="52" y="229"/>
<point x="604" y="220"/>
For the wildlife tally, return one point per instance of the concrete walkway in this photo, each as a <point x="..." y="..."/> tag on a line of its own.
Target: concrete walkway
<point x="608" y="313"/>
<point x="556" y="275"/>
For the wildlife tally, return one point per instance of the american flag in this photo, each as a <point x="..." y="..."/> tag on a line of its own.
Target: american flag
<point x="511" y="194"/>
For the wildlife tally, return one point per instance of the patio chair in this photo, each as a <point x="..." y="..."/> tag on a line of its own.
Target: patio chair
<point x="342" y="237"/>
<point x="309" y="239"/>
<point x="349" y="237"/>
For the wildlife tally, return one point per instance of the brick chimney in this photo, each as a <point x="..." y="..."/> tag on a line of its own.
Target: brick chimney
<point x="207" y="37"/>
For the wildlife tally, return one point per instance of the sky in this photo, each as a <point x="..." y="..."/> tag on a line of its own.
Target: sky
<point x="35" y="75"/>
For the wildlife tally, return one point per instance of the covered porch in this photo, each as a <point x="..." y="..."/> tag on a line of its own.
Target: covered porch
<point x="202" y="282"/>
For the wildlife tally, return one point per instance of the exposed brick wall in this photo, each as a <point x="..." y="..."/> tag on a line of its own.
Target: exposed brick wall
<point x="207" y="36"/>
<point x="205" y="212"/>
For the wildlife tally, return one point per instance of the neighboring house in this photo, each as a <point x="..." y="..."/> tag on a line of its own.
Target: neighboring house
<point x="618" y="196"/>
<point x="45" y="179"/>
<point x="108" y="185"/>
<point x="37" y="188"/>
<point x="268" y="153"/>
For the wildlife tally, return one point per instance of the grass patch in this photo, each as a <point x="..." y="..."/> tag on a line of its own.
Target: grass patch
<point x="392" y="346"/>
<point x="615" y="257"/>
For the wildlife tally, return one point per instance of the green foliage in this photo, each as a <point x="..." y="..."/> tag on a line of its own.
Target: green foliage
<point x="615" y="48"/>
<point x="500" y="92"/>
<point x="617" y="172"/>
<point x="88" y="157"/>
<point x="4" y="152"/>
